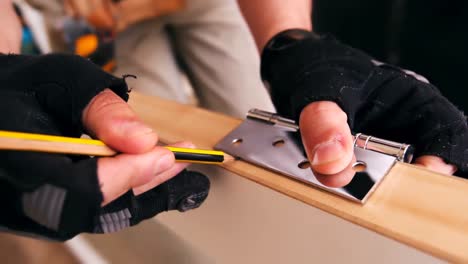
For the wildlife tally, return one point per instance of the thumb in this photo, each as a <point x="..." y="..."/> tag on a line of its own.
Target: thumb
<point x="111" y="119"/>
<point x="326" y="137"/>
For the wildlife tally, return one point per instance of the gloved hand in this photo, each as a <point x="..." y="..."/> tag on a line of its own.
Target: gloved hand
<point x="332" y="90"/>
<point x="59" y="196"/>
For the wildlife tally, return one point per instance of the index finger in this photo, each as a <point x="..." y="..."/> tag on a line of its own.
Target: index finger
<point x="111" y="119"/>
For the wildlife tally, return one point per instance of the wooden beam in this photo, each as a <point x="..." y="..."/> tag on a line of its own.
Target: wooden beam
<point x="422" y="209"/>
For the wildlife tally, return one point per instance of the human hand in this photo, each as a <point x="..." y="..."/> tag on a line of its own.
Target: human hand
<point x="11" y="32"/>
<point x="98" y="13"/>
<point x="333" y="90"/>
<point x="59" y="196"/>
<point x="116" y="16"/>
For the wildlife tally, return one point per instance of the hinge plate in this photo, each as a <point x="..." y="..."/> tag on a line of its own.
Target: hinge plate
<point x="276" y="147"/>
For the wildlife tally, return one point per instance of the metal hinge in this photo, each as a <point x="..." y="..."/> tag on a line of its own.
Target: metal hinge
<point x="273" y="142"/>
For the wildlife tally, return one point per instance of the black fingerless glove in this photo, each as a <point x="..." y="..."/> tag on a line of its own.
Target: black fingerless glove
<point x="380" y="100"/>
<point x="184" y="192"/>
<point x="58" y="196"/>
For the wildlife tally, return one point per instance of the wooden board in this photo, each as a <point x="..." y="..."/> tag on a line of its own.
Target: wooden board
<point x="422" y="209"/>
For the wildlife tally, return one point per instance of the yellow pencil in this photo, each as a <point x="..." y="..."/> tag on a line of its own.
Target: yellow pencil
<point x="20" y="141"/>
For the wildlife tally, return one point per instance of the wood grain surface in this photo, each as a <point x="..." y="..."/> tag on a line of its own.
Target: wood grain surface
<point x="422" y="209"/>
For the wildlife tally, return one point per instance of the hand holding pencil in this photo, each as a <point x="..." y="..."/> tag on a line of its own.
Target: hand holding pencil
<point x="61" y="195"/>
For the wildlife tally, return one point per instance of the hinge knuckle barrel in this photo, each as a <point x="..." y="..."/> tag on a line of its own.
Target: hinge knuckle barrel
<point x="271" y="118"/>
<point x="403" y="152"/>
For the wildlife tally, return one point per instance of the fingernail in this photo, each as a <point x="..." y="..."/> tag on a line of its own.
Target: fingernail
<point x="327" y="152"/>
<point x="164" y="163"/>
<point x="135" y="129"/>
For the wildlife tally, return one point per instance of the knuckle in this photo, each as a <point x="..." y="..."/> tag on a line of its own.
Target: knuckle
<point x="106" y="101"/>
<point x="326" y="109"/>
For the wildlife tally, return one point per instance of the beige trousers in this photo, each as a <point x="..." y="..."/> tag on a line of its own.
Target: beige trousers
<point x="209" y="42"/>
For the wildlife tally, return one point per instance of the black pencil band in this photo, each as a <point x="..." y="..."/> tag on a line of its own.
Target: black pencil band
<point x="198" y="157"/>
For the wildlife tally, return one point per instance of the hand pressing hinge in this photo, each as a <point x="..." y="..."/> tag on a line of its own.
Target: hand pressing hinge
<point x="273" y="142"/>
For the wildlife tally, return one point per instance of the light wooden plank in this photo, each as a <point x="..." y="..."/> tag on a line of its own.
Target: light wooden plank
<point x="422" y="209"/>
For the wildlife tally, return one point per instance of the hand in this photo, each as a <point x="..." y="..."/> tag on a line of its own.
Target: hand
<point x="117" y="16"/>
<point x="110" y="119"/>
<point x="59" y="196"/>
<point x="329" y="145"/>
<point x="11" y="29"/>
<point x="99" y="13"/>
<point x="334" y="90"/>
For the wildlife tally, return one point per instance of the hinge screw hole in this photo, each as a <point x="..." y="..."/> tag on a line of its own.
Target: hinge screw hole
<point x="305" y="164"/>
<point x="278" y="142"/>
<point x="359" y="166"/>
<point x="236" y="142"/>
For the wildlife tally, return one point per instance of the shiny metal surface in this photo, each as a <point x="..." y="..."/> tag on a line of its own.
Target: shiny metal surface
<point x="403" y="152"/>
<point x="271" y="118"/>
<point x="277" y="147"/>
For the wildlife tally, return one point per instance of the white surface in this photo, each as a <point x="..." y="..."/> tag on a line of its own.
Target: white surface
<point x="243" y="222"/>
<point x="84" y="252"/>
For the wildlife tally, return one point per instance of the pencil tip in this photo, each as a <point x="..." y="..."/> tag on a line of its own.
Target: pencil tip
<point x="228" y="158"/>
